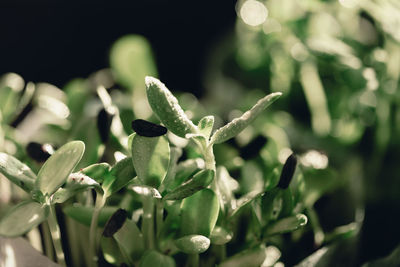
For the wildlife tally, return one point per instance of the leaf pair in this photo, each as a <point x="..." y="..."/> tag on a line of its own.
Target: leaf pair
<point x="53" y="174"/>
<point x="166" y="107"/>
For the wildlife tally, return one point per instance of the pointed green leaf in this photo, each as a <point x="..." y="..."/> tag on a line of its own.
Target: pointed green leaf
<point x="285" y="225"/>
<point x="17" y="172"/>
<point x="83" y="214"/>
<point x="58" y="167"/>
<point x="193" y="244"/>
<point x="166" y="107"/>
<point x="150" y="157"/>
<point x="153" y="258"/>
<point x="237" y="125"/>
<point x="205" y="125"/>
<point x="22" y="218"/>
<point x="199" y="213"/>
<point x="119" y="176"/>
<point x="200" y="181"/>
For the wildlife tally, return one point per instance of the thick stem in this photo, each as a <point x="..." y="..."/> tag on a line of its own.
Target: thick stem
<point x="100" y="201"/>
<point x="56" y="235"/>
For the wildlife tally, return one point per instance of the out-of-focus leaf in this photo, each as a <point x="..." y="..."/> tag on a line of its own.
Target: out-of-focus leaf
<point x="250" y="257"/>
<point x="59" y="166"/>
<point x="22" y="218"/>
<point x="83" y="214"/>
<point x="166" y="107"/>
<point x="227" y="186"/>
<point x="220" y="235"/>
<point x="193" y="244"/>
<point x="131" y="59"/>
<point x="17" y="172"/>
<point x="286" y="225"/>
<point x="150" y="157"/>
<point x="153" y="258"/>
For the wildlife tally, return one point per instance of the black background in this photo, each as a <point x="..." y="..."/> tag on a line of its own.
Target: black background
<point x="53" y="41"/>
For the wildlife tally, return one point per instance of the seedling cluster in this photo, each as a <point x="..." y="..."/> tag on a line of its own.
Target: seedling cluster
<point x="153" y="207"/>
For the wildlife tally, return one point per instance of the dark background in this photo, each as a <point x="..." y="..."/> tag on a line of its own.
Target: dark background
<point x="50" y="41"/>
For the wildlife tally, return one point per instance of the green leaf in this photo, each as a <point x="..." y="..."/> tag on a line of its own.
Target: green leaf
<point x="120" y="175"/>
<point x="83" y="214"/>
<point x="131" y="59"/>
<point x="285" y="225"/>
<point x="166" y="107"/>
<point x="150" y="157"/>
<point x="199" y="213"/>
<point x="130" y="240"/>
<point x="185" y="170"/>
<point x="58" y="167"/>
<point x="237" y="125"/>
<point x="205" y="125"/>
<point x="153" y="258"/>
<point x="200" y="181"/>
<point x="22" y="218"/>
<point x="193" y="244"/>
<point x="250" y="257"/>
<point x="17" y="172"/>
<point x="97" y="171"/>
<point x="244" y="200"/>
<point x="76" y="182"/>
<point x="220" y="236"/>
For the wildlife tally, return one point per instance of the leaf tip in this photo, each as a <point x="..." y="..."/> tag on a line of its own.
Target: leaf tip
<point x="149" y="81"/>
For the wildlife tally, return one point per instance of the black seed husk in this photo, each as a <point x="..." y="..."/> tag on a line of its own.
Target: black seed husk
<point x="287" y="172"/>
<point x="115" y="222"/>
<point x="37" y="152"/>
<point x="148" y="129"/>
<point x="104" y="120"/>
<point x="252" y="149"/>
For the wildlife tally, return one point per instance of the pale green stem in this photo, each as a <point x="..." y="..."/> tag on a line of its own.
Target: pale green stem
<point x="319" y="235"/>
<point x="159" y="216"/>
<point x="56" y="235"/>
<point x="48" y="243"/>
<point x="93" y="247"/>
<point x="148" y="222"/>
